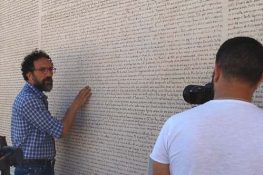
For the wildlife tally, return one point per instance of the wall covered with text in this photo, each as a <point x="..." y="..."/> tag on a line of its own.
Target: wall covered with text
<point x="136" y="55"/>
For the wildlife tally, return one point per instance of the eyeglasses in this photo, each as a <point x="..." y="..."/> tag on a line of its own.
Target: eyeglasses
<point x="45" y="70"/>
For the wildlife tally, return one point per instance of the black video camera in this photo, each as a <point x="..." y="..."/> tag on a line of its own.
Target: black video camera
<point x="196" y="94"/>
<point x="9" y="156"/>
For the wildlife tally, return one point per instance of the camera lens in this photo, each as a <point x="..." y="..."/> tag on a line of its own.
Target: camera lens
<point x="195" y="94"/>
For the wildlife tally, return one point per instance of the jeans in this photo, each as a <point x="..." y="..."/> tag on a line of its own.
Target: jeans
<point x="35" y="170"/>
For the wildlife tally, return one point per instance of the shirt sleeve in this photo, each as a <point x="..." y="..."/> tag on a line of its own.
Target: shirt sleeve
<point x="160" y="149"/>
<point x="35" y="112"/>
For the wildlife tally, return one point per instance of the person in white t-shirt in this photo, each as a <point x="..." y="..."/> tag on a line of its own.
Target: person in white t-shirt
<point x="224" y="136"/>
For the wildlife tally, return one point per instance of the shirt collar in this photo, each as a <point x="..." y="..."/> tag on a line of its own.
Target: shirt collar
<point x="36" y="91"/>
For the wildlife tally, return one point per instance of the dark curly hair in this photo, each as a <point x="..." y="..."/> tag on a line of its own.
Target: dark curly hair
<point x="28" y="63"/>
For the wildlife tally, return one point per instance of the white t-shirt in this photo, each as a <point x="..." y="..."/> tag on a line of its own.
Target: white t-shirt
<point x="220" y="137"/>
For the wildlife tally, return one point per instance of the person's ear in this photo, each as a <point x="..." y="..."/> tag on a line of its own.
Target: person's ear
<point x="29" y="76"/>
<point x="217" y="73"/>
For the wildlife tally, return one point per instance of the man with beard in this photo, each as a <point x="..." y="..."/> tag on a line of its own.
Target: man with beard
<point x="33" y="128"/>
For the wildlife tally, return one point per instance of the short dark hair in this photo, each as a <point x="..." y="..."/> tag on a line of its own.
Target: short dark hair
<point x="241" y="58"/>
<point x="28" y="63"/>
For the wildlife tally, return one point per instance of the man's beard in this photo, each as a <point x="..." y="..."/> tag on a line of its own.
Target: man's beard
<point x="44" y="85"/>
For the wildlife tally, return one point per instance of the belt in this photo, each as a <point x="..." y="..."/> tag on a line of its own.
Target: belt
<point x="36" y="162"/>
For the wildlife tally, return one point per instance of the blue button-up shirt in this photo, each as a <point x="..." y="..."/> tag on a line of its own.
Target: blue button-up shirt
<point x="33" y="128"/>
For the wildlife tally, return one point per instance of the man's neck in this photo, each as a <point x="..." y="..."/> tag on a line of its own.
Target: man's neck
<point x="238" y="91"/>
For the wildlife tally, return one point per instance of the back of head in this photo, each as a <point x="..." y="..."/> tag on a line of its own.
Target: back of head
<point x="241" y="58"/>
